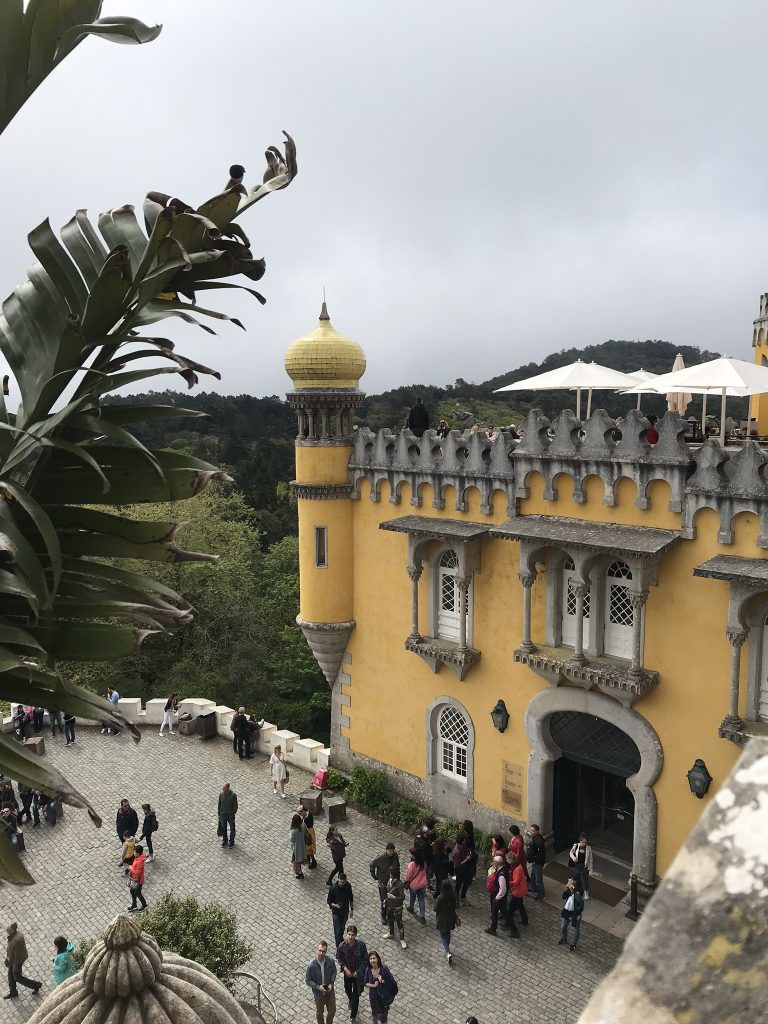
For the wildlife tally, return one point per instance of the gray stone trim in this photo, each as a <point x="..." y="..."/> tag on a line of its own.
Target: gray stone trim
<point x="436" y="652"/>
<point x="735" y="569"/>
<point x="640" y="542"/>
<point x="328" y="641"/>
<point x="433" y="753"/>
<point x="612" y="678"/>
<point x="544" y="753"/>
<point x="320" y="492"/>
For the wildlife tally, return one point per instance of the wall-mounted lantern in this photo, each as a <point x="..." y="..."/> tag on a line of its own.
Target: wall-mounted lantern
<point x="699" y="778"/>
<point x="500" y="716"/>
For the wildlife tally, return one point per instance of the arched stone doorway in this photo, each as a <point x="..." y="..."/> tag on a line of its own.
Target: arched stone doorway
<point x="545" y="752"/>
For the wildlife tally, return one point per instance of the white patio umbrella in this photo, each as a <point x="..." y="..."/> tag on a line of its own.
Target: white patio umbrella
<point x="642" y="377"/>
<point x="678" y="401"/>
<point x="724" y="377"/>
<point x="578" y="377"/>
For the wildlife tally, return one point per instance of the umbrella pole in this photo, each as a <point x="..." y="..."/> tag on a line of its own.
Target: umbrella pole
<point x="722" y="419"/>
<point x="704" y="415"/>
<point x="578" y="403"/>
<point x="589" y="403"/>
<point x="638" y="402"/>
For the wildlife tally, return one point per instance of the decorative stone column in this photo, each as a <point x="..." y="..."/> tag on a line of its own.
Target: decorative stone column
<point x="527" y="579"/>
<point x="638" y="603"/>
<point x="580" y="591"/>
<point x="414" y="572"/>
<point x="463" y="588"/>
<point x="736" y="638"/>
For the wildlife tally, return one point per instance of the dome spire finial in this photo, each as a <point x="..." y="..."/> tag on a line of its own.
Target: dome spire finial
<point x="324" y="309"/>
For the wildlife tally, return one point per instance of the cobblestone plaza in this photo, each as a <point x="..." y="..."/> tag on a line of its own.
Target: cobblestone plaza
<point x="80" y="889"/>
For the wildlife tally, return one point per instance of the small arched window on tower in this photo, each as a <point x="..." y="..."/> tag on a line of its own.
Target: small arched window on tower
<point x="618" y="610"/>
<point x="449" y="597"/>
<point x="453" y="733"/>
<point x="569" y="607"/>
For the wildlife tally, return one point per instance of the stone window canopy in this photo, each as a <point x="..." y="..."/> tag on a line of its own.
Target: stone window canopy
<point x="428" y="540"/>
<point x="640" y="542"/>
<point x="747" y="579"/>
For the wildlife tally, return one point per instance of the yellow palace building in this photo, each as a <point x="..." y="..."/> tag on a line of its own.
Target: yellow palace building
<point x="555" y="630"/>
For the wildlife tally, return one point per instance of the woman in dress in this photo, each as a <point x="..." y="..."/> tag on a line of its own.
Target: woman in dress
<point x="310" y="838"/>
<point x="298" y="845"/>
<point x="446" y="915"/>
<point x="382" y="987"/>
<point x="278" y="771"/>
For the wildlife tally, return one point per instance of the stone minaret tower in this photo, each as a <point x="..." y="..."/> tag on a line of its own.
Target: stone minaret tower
<point x="325" y="368"/>
<point x="760" y="344"/>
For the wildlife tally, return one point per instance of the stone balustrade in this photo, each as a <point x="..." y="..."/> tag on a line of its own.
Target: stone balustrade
<point x="303" y="753"/>
<point x="728" y="480"/>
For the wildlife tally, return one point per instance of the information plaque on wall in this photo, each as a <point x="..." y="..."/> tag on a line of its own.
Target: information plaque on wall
<point x="512" y="787"/>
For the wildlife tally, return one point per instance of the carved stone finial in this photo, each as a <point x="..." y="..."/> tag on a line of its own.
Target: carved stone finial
<point x="566" y="441"/>
<point x="671" y="447"/>
<point x="745" y="472"/>
<point x="534" y="430"/>
<point x="709" y="475"/>
<point x="598" y="435"/>
<point x="633" y="444"/>
<point x="328" y="642"/>
<point x="324" y="312"/>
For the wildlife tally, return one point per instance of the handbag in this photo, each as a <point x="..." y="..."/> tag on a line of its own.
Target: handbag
<point x="220" y="830"/>
<point x="133" y="885"/>
<point x="287" y="775"/>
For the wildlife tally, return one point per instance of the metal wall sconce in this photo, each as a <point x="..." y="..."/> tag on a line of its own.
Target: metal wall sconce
<point x="500" y="716"/>
<point x="699" y="778"/>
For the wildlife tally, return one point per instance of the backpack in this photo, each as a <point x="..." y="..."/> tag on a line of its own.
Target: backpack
<point x="530" y="853"/>
<point x="157" y="825"/>
<point x="490" y="880"/>
<point x="578" y="903"/>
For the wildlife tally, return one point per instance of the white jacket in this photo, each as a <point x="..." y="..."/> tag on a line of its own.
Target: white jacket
<point x="574" y="855"/>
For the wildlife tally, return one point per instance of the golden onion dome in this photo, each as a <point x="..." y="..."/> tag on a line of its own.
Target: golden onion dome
<point x="127" y="978"/>
<point x="324" y="358"/>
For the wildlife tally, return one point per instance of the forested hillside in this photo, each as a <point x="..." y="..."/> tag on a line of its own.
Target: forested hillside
<point x="244" y="646"/>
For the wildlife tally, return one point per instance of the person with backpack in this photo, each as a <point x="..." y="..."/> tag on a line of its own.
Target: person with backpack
<point x="536" y="854"/>
<point x="148" y="827"/>
<point x="571" y="912"/>
<point x="379" y="869"/>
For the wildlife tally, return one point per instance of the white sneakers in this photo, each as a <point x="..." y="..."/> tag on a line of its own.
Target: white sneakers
<point x="283" y="796"/>
<point x="386" y="935"/>
<point x="449" y="958"/>
<point x="403" y="944"/>
<point x="586" y="895"/>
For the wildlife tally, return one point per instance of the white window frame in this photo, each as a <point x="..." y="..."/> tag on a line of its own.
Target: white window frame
<point x="567" y="621"/>
<point x="321" y="541"/>
<point x="437" y="629"/>
<point x="451" y="752"/>
<point x="617" y="637"/>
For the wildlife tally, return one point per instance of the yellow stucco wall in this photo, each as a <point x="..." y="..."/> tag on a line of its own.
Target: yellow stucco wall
<point x="684" y="637"/>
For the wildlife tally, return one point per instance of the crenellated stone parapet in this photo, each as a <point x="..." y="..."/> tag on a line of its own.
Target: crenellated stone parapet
<point x="728" y="480"/>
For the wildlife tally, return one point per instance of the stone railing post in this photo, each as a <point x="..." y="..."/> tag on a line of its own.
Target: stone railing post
<point x="527" y="579"/>
<point x="463" y="588"/>
<point x="580" y="591"/>
<point x="736" y="638"/>
<point x="638" y="603"/>
<point x="414" y="572"/>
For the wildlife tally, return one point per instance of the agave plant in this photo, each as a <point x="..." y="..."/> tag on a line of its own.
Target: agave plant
<point x="81" y="326"/>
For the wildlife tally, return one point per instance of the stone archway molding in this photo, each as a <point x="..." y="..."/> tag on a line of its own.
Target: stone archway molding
<point x="544" y="753"/>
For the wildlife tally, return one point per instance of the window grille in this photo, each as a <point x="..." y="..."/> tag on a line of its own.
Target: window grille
<point x="569" y="606"/>
<point x="454" y="740"/>
<point x="620" y="614"/>
<point x="449" y="599"/>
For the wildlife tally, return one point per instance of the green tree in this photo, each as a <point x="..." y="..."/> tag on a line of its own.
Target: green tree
<point x="81" y="327"/>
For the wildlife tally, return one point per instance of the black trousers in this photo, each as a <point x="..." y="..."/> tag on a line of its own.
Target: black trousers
<point x="15" y="977"/>
<point x="516" y="903"/>
<point x="352" y="988"/>
<point x="136" y="894"/>
<point x="497" y="907"/>
<point x="242" y="745"/>
<point x="338" y="868"/>
<point x="69" y="730"/>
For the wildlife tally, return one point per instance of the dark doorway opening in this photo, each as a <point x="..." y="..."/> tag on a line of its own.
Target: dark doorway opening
<point x="590" y="790"/>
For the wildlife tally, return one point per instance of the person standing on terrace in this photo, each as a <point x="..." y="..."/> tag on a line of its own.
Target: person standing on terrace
<point x="418" y="418"/>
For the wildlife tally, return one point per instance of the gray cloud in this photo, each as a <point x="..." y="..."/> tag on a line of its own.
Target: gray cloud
<point x="479" y="185"/>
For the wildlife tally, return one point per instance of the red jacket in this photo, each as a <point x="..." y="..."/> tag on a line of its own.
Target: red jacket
<point x="517" y="846"/>
<point x="519" y="886"/>
<point x="137" y="869"/>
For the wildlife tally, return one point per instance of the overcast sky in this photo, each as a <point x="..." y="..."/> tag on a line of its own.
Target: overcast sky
<point x="479" y="184"/>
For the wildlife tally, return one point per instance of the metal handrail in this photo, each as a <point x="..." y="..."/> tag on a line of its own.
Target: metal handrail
<point x="270" y="1008"/>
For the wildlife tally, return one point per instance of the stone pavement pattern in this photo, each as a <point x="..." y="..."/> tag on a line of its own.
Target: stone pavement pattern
<point x="80" y="888"/>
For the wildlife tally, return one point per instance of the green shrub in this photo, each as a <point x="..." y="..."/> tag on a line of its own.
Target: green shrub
<point x="81" y="951"/>
<point x="448" y="828"/>
<point x="336" y="780"/>
<point x="369" y="788"/>
<point x="204" y="932"/>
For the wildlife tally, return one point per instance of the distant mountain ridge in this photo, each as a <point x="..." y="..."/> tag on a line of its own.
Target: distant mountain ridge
<point x="390" y="407"/>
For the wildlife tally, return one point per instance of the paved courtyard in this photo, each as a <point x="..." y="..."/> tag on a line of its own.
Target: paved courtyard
<point x="80" y="888"/>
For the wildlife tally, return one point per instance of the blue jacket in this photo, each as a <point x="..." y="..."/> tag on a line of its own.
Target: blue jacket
<point x="314" y="977"/>
<point x="354" y="958"/>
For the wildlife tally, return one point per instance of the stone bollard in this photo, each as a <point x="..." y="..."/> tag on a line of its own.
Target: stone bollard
<point x="312" y="799"/>
<point x="336" y="809"/>
<point x="35" y="745"/>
